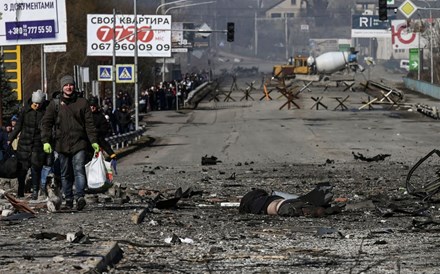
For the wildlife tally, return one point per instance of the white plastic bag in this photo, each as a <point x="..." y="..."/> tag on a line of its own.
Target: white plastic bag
<point x="96" y="171"/>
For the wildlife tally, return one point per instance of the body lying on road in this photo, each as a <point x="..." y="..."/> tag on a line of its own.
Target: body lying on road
<point x="316" y="203"/>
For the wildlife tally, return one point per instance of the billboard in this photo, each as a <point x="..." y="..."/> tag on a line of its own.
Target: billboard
<point x="181" y="37"/>
<point x="369" y="26"/>
<point x="153" y="35"/>
<point x="32" y="22"/>
<point x="402" y="37"/>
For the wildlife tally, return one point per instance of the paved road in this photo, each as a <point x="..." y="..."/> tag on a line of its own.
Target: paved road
<point x="258" y="131"/>
<point x="290" y="150"/>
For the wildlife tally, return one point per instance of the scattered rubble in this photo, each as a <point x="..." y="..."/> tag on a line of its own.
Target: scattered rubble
<point x="200" y="226"/>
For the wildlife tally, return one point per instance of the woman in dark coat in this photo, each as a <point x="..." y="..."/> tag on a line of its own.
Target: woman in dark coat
<point x="30" y="152"/>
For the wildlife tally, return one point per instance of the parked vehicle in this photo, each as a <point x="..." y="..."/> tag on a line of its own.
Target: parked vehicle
<point x="404" y="64"/>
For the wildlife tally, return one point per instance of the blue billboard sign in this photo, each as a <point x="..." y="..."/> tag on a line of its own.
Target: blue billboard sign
<point x="30" y="29"/>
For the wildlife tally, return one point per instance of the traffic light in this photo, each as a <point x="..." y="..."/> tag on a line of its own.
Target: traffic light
<point x="12" y="65"/>
<point x="230" y="33"/>
<point x="383" y="10"/>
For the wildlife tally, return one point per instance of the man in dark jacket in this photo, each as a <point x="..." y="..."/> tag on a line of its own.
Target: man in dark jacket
<point x="74" y="131"/>
<point x="102" y="129"/>
<point x="124" y="120"/>
<point x="30" y="152"/>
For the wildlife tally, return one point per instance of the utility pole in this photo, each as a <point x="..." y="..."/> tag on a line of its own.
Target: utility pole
<point x="430" y="41"/>
<point x="114" y="62"/>
<point x="136" y="83"/>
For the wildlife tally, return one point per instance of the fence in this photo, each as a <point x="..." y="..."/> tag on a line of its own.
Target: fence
<point x="422" y="87"/>
<point x="125" y="139"/>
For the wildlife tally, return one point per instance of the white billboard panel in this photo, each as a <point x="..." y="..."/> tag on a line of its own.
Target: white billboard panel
<point x="153" y="37"/>
<point x="369" y="26"/>
<point x="55" y="48"/>
<point x="403" y="37"/>
<point x="29" y="22"/>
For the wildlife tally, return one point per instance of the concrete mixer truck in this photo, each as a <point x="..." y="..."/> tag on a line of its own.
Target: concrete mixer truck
<point x="325" y="64"/>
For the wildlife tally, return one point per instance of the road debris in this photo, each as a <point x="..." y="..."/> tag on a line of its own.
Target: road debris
<point x="377" y="158"/>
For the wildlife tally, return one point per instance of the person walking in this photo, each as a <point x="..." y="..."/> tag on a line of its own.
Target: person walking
<point x="103" y="130"/>
<point x="72" y="120"/>
<point x="124" y="120"/>
<point x="30" y="152"/>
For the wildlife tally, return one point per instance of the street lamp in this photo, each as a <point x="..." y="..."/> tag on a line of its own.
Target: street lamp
<point x="167" y="4"/>
<point x="176" y="7"/>
<point x="157" y="10"/>
<point x="188" y="5"/>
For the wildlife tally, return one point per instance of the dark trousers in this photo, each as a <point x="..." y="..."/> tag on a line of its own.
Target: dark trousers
<point x="36" y="178"/>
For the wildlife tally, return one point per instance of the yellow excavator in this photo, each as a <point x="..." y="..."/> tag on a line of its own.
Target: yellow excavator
<point x="297" y="65"/>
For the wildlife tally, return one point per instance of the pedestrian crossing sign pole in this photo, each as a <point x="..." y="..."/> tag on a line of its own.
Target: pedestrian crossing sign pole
<point x="125" y="74"/>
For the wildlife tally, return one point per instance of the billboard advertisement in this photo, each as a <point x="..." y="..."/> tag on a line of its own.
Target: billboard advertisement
<point x="369" y="26"/>
<point x="32" y="22"/>
<point x="153" y="35"/>
<point x="181" y="37"/>
<point x="404" y="37"/>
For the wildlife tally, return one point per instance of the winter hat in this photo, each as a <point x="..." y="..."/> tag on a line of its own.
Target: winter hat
<point x="94" y="102"/>
<point x="38" y="96"/>
<point x="67" y="79"/>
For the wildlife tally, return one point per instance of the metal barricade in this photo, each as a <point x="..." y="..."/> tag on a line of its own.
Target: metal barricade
<point x="123" y="140"/>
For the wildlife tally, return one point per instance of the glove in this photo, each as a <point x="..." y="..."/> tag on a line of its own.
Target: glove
<point x="95" y="147"/>
<point x="47" y="148"/>
<point x="113" y="164"/>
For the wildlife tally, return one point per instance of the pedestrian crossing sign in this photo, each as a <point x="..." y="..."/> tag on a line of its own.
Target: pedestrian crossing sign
<point x="105" y="73"/>
<point x="125" y="73"/>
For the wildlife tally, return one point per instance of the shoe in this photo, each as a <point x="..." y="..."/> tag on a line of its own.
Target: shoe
<point x="34" y="195"/>
<point x="80" y="203"/>
<point x="320" y="196"/>
<point x="69" y="204"/>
